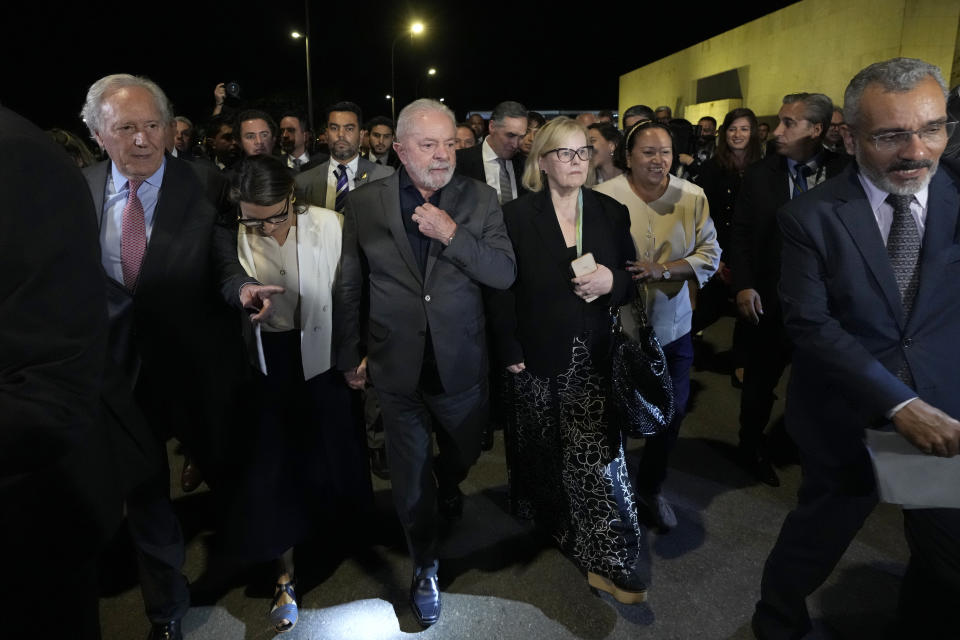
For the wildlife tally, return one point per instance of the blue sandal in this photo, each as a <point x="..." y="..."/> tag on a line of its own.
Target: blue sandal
<point x="281" y="612"/>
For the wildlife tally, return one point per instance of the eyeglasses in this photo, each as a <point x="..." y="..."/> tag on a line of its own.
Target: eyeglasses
<point x="257" y="223"/>
<point x="935" y="133"/>
<point x="566" y="155"/>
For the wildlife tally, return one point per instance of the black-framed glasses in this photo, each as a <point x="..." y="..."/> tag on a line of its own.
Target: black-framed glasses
<point x="566" y="155"/>
<point x="935" y="133"/>
<point x="257" y="223"/>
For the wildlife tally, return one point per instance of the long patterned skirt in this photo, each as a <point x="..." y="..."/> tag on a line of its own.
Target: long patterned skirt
<point x="567" y="472"/>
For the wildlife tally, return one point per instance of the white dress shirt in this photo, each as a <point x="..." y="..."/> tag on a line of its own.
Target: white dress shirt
<point x="883" y="214"/>
<point x="491" y="169"/>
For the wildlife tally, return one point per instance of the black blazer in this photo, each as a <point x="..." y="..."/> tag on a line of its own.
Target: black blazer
<point x="755" y="241"/>
<point x="175" y="336"/>
<point x="470" y="164"/>
<point x="536" y="320"/>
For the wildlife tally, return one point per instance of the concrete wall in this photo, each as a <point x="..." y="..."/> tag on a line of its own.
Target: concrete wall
<point x="814" y="45"/>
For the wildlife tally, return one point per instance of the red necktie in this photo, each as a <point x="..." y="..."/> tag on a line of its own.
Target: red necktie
<point x="133" y="236"/>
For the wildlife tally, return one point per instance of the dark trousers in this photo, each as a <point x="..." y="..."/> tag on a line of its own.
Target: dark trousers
<point x="832" y="504"/>
<point x="158" y="540"/>
<point x="656" y="450"/>
<point x="768" y="352"/>
<point x="931" y="587"/>
<point x="408" y="421"/>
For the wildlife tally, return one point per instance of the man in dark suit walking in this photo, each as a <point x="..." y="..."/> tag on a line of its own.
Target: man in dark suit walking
<point x="422" y="241"/>
<point x="800" y="164"/>
<point x="495" y="161"/>
<point x="871" y="262"/>
<point x="328" y="184"/>
<point x="164" y="260"/>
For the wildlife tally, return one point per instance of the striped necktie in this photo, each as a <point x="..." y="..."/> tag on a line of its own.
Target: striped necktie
<point x="343" y="186"/>
<point x="506" y="189"/>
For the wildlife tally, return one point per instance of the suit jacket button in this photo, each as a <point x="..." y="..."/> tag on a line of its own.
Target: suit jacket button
<point x="907" y="343"/>
<point x="427" y="297"/>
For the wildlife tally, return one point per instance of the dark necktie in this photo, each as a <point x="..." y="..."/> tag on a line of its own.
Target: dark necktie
<point x="506" y="190"/>
<point x="800" y="180"/>
<point x="343" y="186"/>
<point x="903" y="248"/>
<point x="133" y="236"/>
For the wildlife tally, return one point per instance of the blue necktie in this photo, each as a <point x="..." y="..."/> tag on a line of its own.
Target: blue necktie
<point x="343" y="186"/>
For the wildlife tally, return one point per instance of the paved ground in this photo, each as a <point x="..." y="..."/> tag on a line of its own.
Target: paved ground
<point x="502" y="581"/>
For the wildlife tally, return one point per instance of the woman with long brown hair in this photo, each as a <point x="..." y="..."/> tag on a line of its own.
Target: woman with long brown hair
<point x="738" y="146"/>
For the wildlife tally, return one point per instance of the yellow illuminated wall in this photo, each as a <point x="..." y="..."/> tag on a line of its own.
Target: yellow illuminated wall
<point x="813" y="45"/>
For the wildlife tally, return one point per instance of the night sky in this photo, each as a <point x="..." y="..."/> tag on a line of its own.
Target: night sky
<point x="545" y="58"/>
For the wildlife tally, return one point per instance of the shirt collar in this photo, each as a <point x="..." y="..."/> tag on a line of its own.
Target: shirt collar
<point x="120" y="181"/>
<point x="813" y="163"/>
<point x="877" y="196"/>
<point x="406" y="184"/>
<point x="351" y="166"/>
<point x="489" y="155"/>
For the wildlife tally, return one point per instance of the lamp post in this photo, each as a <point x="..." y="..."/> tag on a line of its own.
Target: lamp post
<point x="415" y="29"/>
<point x="296" y="35"/>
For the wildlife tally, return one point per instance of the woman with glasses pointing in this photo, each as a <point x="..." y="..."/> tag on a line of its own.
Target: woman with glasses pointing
<point x="552" y="332"/>
<point x="307" y="461"/>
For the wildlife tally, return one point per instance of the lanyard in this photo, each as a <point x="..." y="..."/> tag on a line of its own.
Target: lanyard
<point x="580" y="222"/>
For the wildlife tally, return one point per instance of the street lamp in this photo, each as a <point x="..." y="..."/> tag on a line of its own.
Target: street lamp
<point x="431" y="72"/>
<point x="415" y="29"/>
<point x="296" y="35"/>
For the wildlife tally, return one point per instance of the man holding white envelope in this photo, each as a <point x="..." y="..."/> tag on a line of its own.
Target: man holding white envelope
<point x="871" y="295"/>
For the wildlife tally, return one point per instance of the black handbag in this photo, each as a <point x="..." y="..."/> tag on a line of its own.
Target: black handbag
<point x="642" y="390"/>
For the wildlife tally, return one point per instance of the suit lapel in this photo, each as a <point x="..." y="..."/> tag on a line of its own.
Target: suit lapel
<point x="545" y="222"/>
<point x="449" y="199"/>
<point x="390" y="206"/>
<point x="168" y="218"/>
<point x="364" y="168"/>
<point x="855" y="214"/>
<point x="97" y="180"/>
<point x="939" y="237"/>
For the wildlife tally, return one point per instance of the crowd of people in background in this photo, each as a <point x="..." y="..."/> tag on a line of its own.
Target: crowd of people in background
<point x="304" y="308"/>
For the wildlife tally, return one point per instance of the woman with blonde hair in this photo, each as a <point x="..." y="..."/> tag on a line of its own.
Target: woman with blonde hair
<point x="552" y="332"/>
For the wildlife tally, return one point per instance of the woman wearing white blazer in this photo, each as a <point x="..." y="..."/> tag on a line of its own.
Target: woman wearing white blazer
<point x="307" y="461"/>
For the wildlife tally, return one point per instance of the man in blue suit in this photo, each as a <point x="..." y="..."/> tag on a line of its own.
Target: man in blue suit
<point x="870" y="288"/>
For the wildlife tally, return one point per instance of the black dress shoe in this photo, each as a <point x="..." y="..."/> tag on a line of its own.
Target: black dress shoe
<point x="166" y="631"/>
<point x="378" y="463"/>
<point x="759" y="467"/>
<point x="450" y="503"/>
<point x="425" y="600"/>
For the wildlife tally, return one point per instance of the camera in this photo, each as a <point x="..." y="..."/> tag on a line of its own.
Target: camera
<point x="233" y="89"/>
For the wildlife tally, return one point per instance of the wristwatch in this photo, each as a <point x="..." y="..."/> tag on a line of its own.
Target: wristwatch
<point x="666" y="273"/>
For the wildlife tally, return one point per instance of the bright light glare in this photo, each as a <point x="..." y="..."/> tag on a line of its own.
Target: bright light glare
<point x="431" y="71"/>
<point x="416" y="28"/>
<point x="295" y="34"/>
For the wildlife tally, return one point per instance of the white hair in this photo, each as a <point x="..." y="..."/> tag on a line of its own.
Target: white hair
<point x="415" y="108"/>
<point x="92" y="112"/>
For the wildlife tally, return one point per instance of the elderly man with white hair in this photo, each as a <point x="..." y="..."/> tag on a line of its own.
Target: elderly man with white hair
<point x="424" y="242"/>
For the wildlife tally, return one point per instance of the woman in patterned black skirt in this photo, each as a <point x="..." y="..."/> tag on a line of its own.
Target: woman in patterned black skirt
<point x="552" y="332"/>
